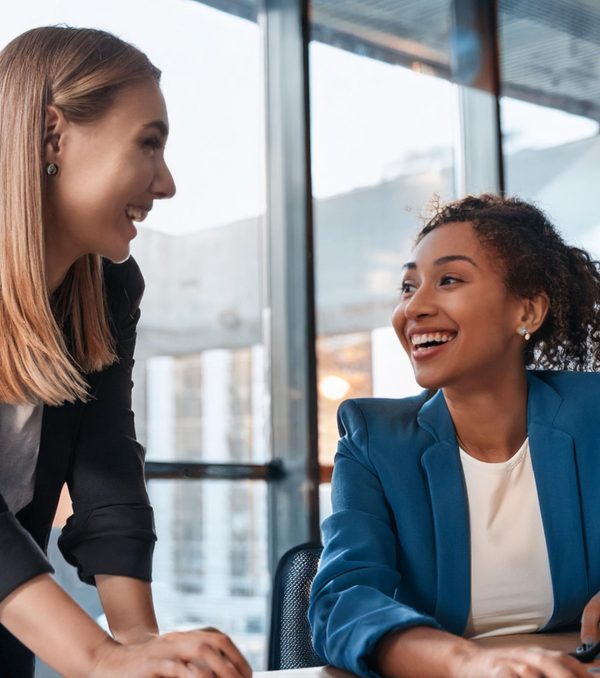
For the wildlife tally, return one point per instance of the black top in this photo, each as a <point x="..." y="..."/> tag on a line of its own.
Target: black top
<point x="92" y="447"/>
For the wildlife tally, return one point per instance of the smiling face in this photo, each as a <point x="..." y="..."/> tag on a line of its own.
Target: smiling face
<point x="456" y="319"/>
<point x="110" y="172"/>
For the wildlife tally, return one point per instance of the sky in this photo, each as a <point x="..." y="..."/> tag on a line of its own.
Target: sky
<point x="370" y="121"/>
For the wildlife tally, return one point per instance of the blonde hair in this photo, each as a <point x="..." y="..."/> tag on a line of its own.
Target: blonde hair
<point x="46" y="344"/>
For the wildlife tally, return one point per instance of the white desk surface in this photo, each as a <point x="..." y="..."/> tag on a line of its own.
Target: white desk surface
<point x="564" y="642"/>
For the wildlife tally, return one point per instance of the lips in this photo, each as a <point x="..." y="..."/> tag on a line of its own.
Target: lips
<point x="425" y="340"/>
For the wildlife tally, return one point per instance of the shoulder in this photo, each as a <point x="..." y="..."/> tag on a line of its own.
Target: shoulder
<point x="124" y="284"/>
<point x="571" y="384"/>
<point x="360" y="419"/>
<point x="579" y="394"/>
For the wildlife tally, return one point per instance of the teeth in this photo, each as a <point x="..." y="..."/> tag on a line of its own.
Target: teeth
<point x="136" y="213"/>
<point x="441" y="337"/>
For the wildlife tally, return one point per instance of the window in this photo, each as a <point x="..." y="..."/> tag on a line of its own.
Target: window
<point x="550" y="111"/>
<point x="383" y="122"/>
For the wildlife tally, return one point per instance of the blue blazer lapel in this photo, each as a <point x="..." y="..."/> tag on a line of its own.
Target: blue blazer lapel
<point x="442" y="467"/>
<point x="553" y="459"/>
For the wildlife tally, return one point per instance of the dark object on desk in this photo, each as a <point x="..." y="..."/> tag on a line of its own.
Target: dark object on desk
<point x="290" y="640"/>
<point x="586" y="653"/>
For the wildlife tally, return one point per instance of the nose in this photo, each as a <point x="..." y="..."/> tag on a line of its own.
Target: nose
<point x="163" y="185"/>
<point x="420" y="304"/>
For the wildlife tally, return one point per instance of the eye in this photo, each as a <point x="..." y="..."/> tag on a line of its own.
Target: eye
<point x="449" y="280"/>
<point x="152" y="142"/>
<point x="407" y="287"/>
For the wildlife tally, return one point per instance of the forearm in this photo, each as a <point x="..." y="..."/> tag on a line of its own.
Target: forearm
<point x="421" y="652"/>
<point x="31" y="613"/>
<point x="128" y="606"/>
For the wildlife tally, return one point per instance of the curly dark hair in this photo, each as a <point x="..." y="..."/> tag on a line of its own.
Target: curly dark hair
<point x="534" y="259"/>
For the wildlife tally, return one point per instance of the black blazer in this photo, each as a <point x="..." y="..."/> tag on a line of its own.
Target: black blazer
<point x="92" y="447"/>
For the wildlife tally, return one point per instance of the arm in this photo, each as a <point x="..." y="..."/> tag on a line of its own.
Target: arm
<point x="30" y="613"/>
<point x="128" y="606"/>
<point x="428" y="653"/>
<point x="78" y="648"/>
<point x="359" y="596"/>
<point x="111" y="531"/>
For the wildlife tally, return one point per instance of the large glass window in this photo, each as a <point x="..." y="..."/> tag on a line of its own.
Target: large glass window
<point x="383" y="123"/>
<point x="551" y="110"/>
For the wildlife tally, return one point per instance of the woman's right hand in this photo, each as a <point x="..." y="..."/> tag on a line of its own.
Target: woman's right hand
<point x="202" y="653"/>
<point x="518" y="662"/>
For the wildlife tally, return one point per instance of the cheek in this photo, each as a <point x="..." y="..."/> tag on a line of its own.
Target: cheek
<point x="399" y="324"/>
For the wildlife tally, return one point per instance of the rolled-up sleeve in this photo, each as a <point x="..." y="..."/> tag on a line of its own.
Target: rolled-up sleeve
<point x="111" y="530"/>
<point x="358" y="595"/>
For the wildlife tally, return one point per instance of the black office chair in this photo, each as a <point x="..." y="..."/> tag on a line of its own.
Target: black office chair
<point x="290" y="641"/>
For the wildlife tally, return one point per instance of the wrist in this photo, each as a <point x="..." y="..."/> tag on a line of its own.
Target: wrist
<point x="136" y="634"/>
<point x="459" y="655"/>
<point x="98" y="653"/>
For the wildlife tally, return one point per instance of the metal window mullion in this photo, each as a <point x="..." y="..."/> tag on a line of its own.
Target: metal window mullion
<point x="475" y="67"/>
<point x="293" y="499"/>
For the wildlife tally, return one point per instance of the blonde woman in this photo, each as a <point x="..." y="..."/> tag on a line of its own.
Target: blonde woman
<point x="83" y="126"/>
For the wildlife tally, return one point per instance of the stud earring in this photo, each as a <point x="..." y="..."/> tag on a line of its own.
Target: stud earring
<point x="524" y="332"/>
<point x="51" y="169"/>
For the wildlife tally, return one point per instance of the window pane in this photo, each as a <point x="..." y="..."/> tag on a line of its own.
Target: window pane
<point x="383" y="135"/>
<point x="210" y="565"/>
<point x="550" y="111"/>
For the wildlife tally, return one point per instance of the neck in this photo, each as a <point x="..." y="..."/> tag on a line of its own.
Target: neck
<point x="490" y="421"/>
<point x="57" y="266"/>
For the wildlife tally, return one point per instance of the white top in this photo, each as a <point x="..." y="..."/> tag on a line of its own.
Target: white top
<point x="20" y="430"/>
<point x="511" y="586"/>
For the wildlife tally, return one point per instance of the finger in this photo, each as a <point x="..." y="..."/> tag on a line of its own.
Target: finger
<point x="225" y="645"/>
<point x="218" y="663"/>
<point x="589" y="621"/>
<point x="527" y="671"/>
<point x="560" y="667"/>
<point x="199" y="670"/>
<point x="196" y="646"/>
<point x="572" y="666"/>
<point x="171" y="668"/>
<point x="505" y="672"/>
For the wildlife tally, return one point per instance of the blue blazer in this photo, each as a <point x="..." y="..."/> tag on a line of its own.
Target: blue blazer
<point x="397" y="550"/>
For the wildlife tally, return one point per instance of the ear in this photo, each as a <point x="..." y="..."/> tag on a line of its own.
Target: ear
<point x="56" y="124"/>
<point x="535" y="311"/>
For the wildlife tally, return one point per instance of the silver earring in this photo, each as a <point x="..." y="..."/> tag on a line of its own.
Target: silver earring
<point x="524" y="332"/>
<point x="51" y="169"/>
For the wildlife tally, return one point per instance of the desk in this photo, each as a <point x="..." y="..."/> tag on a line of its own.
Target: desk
<point x="563" y="642"/>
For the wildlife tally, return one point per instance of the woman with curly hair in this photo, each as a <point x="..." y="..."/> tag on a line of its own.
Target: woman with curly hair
<point x="83" y="126"/>
<point x="473" y="509"/>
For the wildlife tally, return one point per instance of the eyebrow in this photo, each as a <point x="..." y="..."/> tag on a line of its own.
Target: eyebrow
<point x="443" y="260"/>
<point x="162" y="127"/>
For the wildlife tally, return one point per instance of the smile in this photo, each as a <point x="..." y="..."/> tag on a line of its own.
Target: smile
<point x="136" y="213"/>
<point x="421" y="342"/>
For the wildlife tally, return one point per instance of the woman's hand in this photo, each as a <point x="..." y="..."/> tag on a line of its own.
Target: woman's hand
<point x="519" y="662"/>
<point x="192" y="654"/>
<point x="590" y="620"/>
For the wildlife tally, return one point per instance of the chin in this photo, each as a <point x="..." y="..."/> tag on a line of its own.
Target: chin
<point x="117" y="256"/>
<point x="431" y="382"/>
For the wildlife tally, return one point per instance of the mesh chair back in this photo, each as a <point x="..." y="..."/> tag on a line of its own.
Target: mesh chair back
<point x="290" y="641"/>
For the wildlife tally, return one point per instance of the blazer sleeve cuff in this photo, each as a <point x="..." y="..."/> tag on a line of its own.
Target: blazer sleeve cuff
<point x="116" y="540"/>
<point x="357" y="653"/>
<point x="21" y="559"/>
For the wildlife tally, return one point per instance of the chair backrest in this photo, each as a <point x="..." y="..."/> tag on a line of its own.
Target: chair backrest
<point x="290" y="641"/>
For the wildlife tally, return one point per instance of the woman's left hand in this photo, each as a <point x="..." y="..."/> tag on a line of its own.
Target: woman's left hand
<point x="590" y="620"/>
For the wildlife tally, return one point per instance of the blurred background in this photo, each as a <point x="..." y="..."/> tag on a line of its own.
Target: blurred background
<point x="308" y="140"/>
